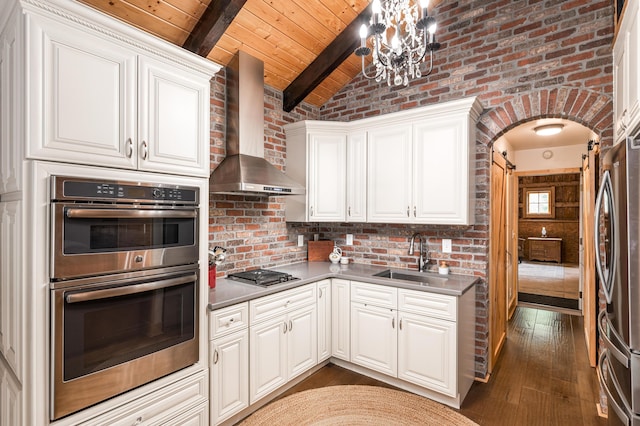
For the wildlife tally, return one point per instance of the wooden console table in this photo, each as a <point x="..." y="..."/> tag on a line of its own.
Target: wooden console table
<point x="545" y="249"/>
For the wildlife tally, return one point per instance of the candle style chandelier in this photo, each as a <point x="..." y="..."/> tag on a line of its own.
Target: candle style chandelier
<point x="413" y="35"/>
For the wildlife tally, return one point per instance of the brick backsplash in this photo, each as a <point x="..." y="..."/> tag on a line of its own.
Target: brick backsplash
<point x="524" y="60"/>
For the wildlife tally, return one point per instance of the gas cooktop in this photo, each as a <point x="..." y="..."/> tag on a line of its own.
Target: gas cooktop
<point x="262" y="277"/>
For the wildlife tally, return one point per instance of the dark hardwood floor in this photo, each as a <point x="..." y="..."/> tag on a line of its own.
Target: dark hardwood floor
<point x="542" y="378"/>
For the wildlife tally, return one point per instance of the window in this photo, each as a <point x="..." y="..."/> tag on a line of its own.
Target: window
<point x="539" y="203"/>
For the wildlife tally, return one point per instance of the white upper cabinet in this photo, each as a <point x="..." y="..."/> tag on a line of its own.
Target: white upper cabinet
<point x="414" y="166"/>
<point x="326" y="187"/>
<point x="96" y="100"/>
<point x="357" y="176"/>
<point x="389" y="174"/>
<point x="11" y="112"/>
<point x="440" y="178"/>
<point x="626" y="65"/>
<point x="330" y="162"/>
<point x="173" y="119"/>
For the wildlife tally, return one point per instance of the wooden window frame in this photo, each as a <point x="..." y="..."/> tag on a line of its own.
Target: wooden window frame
<point x="552" y="208"/>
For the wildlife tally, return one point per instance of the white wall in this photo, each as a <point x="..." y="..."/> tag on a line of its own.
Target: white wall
<point x="564" y="157"/>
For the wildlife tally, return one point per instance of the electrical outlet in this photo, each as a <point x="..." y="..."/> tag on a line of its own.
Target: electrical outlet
<point x="300" y="240"/>
<point x="349" y="240"/>
<point x="446" y="246"/>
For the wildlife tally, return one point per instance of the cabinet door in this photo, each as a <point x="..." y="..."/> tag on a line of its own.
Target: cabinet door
<point x="268" y="357"/>
<point x="324" y="320"/>
<point x="302" y="341"/>
<point x="10" y="399"/>
<point x="374" y="340"/>
<point x="327" y="177"/>
<point x="174" y="119"/>
<point x="11" y="284"/>
<point x="229" y="375"/>
<point x="88" y="98"/>
<point x="440" y="172"/>
<point x="389" y="174"/>
<point x="340" y="319"/>
<point x="633" y="63"/>
<point x="619" y="85"/>
<point x="427" y="352"/>
<point x="357" y="177"/>
<point x="11" y="114"/>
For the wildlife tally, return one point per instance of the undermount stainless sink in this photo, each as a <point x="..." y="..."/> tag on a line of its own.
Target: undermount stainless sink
<point x="427" y="278"/>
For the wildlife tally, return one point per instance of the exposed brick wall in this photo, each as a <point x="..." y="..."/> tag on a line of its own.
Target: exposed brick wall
<point x="524" y="60"/>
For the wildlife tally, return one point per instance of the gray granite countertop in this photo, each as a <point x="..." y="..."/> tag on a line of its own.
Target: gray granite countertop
<point x="228" y="292"/>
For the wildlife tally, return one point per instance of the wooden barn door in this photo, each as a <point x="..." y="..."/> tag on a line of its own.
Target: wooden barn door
<point x="497" y="259"/>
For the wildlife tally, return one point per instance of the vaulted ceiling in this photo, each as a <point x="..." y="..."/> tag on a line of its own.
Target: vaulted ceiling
<point x="306" y="45"/>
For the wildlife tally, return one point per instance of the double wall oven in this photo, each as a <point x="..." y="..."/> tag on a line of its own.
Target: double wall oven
<point x="124" y="287"/>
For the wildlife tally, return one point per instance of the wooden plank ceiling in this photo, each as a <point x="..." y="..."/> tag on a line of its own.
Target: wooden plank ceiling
<point x="298" y="40"/>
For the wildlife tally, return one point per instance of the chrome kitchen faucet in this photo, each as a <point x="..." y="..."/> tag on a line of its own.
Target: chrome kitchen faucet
<point x="423" y="260"/>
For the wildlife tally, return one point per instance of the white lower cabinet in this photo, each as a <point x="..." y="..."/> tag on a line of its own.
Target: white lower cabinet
<point x="324" y="320"/>
<point x="10" y="411"/>
<point x="283" y="346"/>
<point x="427" y="352"/>
<point x="162" y="407"/>
<point x="374" y="339"/>
<point x="413" y="337"/>
<point x="229" y="361"/>
<point x="229" y="375"/>
<point x="341" y="319"/>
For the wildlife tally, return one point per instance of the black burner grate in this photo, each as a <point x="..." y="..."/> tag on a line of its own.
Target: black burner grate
<point x="263" y="277"/>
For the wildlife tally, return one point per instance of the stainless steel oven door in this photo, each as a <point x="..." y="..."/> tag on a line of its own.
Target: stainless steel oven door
<point x="90" y="239"/>
<point x="110" y="337"/>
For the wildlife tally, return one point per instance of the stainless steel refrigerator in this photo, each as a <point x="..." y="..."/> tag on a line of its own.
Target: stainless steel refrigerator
<point x="617" y="261"/>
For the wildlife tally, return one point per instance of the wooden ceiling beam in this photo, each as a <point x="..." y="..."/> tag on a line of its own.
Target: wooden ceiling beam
<point x="212" y="25"/>
<point x="328" y="60"/>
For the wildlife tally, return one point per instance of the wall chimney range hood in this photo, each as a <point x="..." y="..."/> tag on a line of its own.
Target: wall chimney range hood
<point x="244" y="170"/>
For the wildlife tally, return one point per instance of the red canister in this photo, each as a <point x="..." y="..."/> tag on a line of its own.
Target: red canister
<point x="212" y="276"/>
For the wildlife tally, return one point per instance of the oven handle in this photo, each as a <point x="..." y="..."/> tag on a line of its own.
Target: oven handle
<point x="87" y="296"/>
<point x="128" y="213"/>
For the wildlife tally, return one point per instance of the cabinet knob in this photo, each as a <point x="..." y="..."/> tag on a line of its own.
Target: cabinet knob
<point x="290" y="325"/>
<point x="285" y="327"/>
<point x="408" y="210"/>
<point x="400" y="324"/>
<point x="349" y="211"/>
<point x="393" y="323"/>
<point x="414" y="211"/>
<point x="138" y="421"/>
<point x="144" y="151"/>
<point x="216" y="357"/>
<point x="320" y="293"/>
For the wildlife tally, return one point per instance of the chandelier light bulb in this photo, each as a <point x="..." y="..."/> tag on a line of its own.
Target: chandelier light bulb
<point x="376" y="8"/>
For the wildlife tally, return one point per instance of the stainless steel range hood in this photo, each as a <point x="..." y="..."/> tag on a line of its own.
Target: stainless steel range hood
<point x="244" y="170"/>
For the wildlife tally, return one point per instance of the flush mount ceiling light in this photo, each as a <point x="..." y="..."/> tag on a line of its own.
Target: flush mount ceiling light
<point x="548" y="129"/>
<point x="412" y="33"/>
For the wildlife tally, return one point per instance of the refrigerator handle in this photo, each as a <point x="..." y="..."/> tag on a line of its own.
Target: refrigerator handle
<point x="619" y="411"/>
<point x="605" y="281"/>
<point x="612" y="340"/>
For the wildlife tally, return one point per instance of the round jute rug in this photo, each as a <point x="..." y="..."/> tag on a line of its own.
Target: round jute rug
<point x="355" y="405"/>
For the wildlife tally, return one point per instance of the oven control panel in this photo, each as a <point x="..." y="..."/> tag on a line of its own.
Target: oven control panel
<point x="68" y="188"/>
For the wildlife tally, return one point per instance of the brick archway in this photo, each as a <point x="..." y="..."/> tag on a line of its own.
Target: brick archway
<point x="591" y="109"/>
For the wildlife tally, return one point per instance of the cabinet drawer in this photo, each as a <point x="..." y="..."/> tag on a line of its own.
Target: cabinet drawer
<point x="159" y="407"/>
<point x="374" y="294"/>
<point x="226" y="320"/>
<point x="430" y="304"/>
<point x="277" y="304"/>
